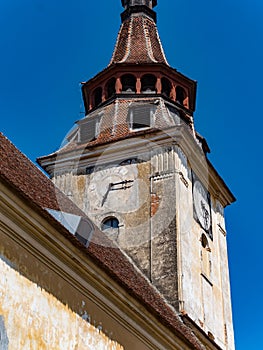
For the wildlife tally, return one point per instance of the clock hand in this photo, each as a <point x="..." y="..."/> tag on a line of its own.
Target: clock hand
<point x="124" y="185"/>
<point x="106" y="194"/>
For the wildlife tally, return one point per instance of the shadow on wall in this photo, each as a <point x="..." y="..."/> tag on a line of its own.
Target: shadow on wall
<point x="3" y="335"/>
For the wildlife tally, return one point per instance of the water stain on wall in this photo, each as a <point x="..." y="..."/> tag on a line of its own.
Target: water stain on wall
<point x="3" y="335"/>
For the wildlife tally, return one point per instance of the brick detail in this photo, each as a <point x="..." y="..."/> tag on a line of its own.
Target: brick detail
<point x="155" y="200"/>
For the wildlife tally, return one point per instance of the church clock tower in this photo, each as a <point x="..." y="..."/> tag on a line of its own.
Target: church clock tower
<point x="136" y="165"/>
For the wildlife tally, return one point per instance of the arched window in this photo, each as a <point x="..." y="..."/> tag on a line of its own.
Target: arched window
<point x="97" y="96"/>
<point x="205" y="256"/>
<point x="128" y="82"/>
<point x="110" y="224"/>
<point x="148" y="82"/>
<point x="180" y="95"/>
<point x="166" y="87"/>
<point x="204" y="241"/>
<point x="110" y="88"/>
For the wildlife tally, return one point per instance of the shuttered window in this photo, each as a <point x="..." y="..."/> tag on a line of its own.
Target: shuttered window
<point x="89" y="129"/>
<point x="141" y="116"/>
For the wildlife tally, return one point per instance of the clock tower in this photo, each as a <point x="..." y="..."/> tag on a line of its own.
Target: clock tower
<point x="139" y="169"/>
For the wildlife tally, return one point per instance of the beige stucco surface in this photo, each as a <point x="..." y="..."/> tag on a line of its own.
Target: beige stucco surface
<point x="159" y="231"/>
<point x="35" y="320"/>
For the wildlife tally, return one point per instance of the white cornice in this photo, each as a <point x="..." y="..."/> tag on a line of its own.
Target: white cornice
<point x="109" y="153"/>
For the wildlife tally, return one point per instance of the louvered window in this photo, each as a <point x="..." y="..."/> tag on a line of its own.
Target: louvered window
<point x="141" y="116"/>
<point x="89" y="129"/>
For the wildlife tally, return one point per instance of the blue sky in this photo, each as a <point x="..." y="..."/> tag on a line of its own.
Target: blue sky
<point x="49" y="47"/>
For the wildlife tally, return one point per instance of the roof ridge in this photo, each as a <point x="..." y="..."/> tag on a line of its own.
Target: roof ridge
<point x="26" y="177"/>
<point x="148" y="42"/>
<point x="161" y="47"/>
<point x="128" y="46"/>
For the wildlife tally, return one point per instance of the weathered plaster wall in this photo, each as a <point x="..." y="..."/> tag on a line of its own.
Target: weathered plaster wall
<point x="204" y="271"/>
<point x="129" y="204"/>
<point x="158" y="230"/>
<point x="31" y="318"/>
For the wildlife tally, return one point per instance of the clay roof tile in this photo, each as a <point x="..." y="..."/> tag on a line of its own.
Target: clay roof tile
<point x="138" y="42"/>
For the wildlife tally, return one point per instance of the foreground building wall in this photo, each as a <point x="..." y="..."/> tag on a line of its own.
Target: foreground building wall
<point x="54" y="289"/>
<point x="31" y="318"/>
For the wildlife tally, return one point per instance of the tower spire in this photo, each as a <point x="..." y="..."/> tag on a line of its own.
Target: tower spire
<point x="138" y="40"/>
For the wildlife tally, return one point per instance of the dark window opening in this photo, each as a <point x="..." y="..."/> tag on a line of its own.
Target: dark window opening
<point x="97" y="96"/>
<point x="140" y="116"/>
<point x="148" y="83"/>
<point x="81" y="239"/>
<point x="129" y="161"/>
<point x="180" y="95"/>
<point x="84" y="231"/>
<point x="110" y="87"/>
<point x="110" y="223"/>
<point x="90" y="170"/>
<point x="204" y="241"/>
<point x="166" y="87"/>
<point x="128" y="82"/>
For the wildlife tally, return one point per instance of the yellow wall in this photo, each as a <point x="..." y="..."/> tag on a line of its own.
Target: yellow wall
<point x="35" y="320"/>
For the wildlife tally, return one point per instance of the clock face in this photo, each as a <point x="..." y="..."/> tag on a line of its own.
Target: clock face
<point x="115" y="189"/>
<point x="202" y="209"/>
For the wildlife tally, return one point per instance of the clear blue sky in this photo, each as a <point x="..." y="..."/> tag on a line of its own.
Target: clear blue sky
<point x="49" y="47"/>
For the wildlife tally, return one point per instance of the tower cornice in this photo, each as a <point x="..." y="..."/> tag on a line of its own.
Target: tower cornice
<point x="158" y="69"/>
<point x="93" y="155"/>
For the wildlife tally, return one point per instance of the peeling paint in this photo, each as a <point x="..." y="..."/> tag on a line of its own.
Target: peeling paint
<point x="33" y="319"/>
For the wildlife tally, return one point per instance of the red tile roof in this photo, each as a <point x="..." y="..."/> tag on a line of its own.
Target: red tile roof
<point x="114" y="124"/>
<point x="30" y="183"/>
<point x="138" y="42"/>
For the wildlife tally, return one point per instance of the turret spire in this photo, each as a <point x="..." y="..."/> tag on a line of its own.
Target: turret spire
<point x="138" y="40"/>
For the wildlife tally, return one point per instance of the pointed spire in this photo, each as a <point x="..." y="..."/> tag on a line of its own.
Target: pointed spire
<point x="138" y="40"/>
